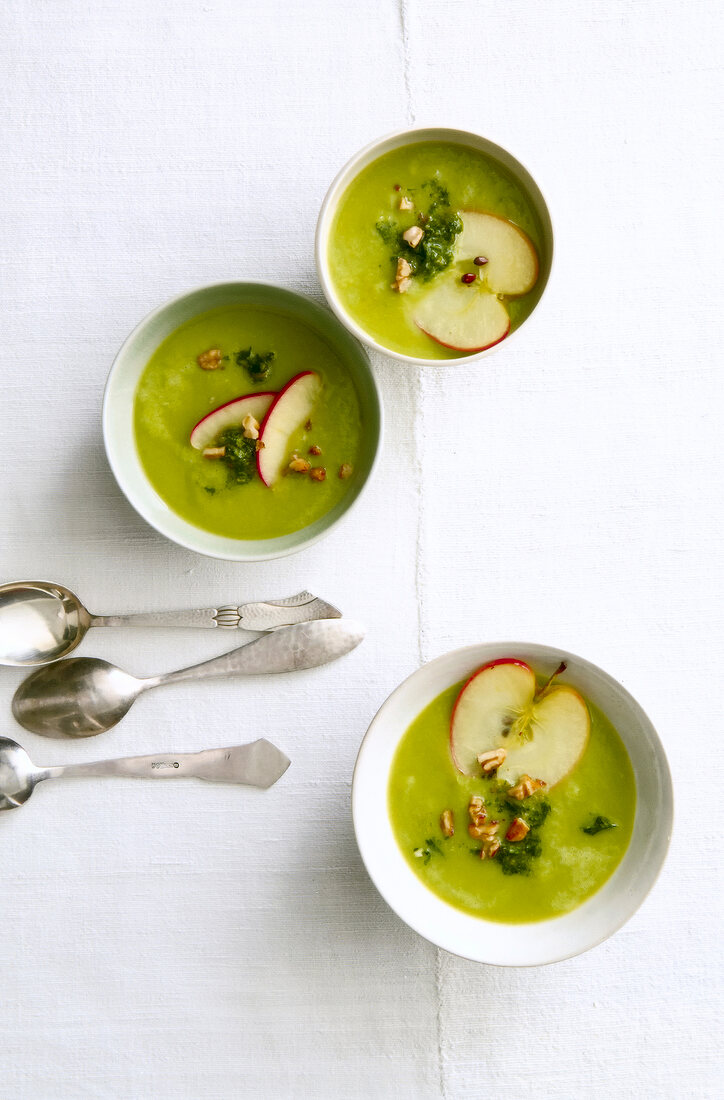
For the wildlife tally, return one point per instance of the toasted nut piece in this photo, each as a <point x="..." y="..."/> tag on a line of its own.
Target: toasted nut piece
<point x="413" y="235"/>
<point x="517" y="830"/>
<point x="489" y="761"/>
<point x="260" y="444"/>
<point x="402" y="276"/>
<point x="489" y="848"/>
<point x="315" y="450"/>
<point x="299" y="465"/>
<point x="489" y="829"/>
<point x="318" y="473"/>
<point x="209" y="360"/>
<point x="476" y="809"/>
<point x="447" y="823"/>
<point x="214" y="452"/>
<point x="406" y="203"/>
<point x="477" y="832"/>
<point x="250" y="424"/>
<point x="525" y="787"/>
<point x="345" y="471"/>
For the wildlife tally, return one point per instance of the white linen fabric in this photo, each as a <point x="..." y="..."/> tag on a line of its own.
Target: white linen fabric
<point x="192" y="942"/>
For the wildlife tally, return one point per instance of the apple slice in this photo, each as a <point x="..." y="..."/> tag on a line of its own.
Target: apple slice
<point x="291" y="408"/>
<point x="229" y="415"/>
<point x="512" y="261"/>
<point x="463" y="318"/>
<point x="544" y="732"/>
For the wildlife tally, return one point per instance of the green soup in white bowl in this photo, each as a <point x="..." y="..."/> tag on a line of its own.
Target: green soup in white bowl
<point x="512" y="803"/>
<point x="241" y="420"/>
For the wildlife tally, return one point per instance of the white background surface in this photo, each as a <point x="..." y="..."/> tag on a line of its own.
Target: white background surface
<point x="188" y="941"/>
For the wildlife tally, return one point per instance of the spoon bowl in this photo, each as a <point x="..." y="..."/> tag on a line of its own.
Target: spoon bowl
<point x="18" y="775"/>
<point x="75" y="698"/>
<point x="39" y="622"/>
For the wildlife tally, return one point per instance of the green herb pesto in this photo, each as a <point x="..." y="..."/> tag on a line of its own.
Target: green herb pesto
<point x="258" y="364"/>
<point x="240" y="455"/>
<point x="440" y="225"/>
<point x="598" y="825"/>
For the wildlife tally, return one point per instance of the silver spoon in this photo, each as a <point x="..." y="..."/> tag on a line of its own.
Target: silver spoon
<point x="259" y="764"/>
<point x="41" y="621"/>
<point x="84" y="695"/>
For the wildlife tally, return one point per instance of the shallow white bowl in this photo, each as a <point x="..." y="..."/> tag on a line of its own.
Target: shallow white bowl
<point x="410" y="137"/>
<point x="119" y="397"/>
<point x="539" y="942"/>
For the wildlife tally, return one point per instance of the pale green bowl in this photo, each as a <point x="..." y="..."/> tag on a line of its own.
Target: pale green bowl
<point x="118" y="401"/>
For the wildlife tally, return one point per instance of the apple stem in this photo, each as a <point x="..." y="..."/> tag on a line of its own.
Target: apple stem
<point x="561" y="668"/>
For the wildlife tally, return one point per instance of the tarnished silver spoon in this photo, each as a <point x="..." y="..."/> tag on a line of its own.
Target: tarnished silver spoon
<point x="41" y="621"/>
<point x="258" y="764"/>
<point x="84" y="695"/>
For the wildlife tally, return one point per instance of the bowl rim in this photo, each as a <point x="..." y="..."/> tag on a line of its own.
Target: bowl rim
<point x="349" y="170"/>
<point x="368" y="853"/>
<point x="189" y="538"/>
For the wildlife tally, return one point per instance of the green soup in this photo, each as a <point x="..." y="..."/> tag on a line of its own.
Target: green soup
<point x="174" y="393"/>
<point x="361" y="259"/>
<point x="572" y="863"/>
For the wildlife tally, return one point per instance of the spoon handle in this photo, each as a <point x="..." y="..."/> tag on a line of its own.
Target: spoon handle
<point x="287" y="649"/>
<point x="260" y="616"/>
<point x="258" y="764"/>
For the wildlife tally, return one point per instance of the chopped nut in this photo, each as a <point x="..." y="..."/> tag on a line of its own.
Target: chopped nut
<point x="209" y="360"/>
<point x="214" y="452"/>
<point x="402" y="276"/>
<point x="447" y="823"/>
<point x="406" y="203"/>
<point x="308" y="426"/>
<point x="318" y="473"/>
<point x="345" y="471"/>
<point x="413" y="235"/>
<point x="315" y="450"/>
<point x="476" y="809"/>
<point x="525" y="787"/>
<point x="518" y="829"/>
<point x="489" y="761"/>
<point x="489" y="848"/>
<point x="299" y="465"/>
<point x="250" y="424"/>
<point x="260" y="444"/>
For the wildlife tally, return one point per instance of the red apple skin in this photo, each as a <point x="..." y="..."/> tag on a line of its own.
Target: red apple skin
<point x="465" y="351"/>
<point x="262" y="393"/>
<point x="270" y="410"/>
<point x="519" y="230"/>
<point x="483" y="668"/>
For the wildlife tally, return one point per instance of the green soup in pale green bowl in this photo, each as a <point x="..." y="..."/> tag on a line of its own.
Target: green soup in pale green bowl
<point x="242" y="420"/>
<point x="433" y="245"/>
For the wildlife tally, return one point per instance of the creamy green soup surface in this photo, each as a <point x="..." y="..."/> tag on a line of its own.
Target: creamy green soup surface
<point x="174" y="393"/>
<point x="599" y="795"/>
<point x="362" y="249"/>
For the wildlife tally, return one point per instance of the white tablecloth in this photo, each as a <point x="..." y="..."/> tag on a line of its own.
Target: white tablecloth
<point x="190" y="942"/>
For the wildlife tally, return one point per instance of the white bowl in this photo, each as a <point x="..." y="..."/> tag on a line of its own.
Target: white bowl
<point x="410" y="137"/>
<point x="119" y="397"/>
<point x="475" y="938"/>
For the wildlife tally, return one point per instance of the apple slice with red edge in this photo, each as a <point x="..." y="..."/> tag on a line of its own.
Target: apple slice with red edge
<point x="230" y="415"/>
<point x="461" y="317"/>
<point x="293" y="405"/>
<point x="512" y="261"/>
<point x="544" y="731"/>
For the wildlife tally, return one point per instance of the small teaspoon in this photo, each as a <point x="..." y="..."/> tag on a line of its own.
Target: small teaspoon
<point x="259" y="764"/>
